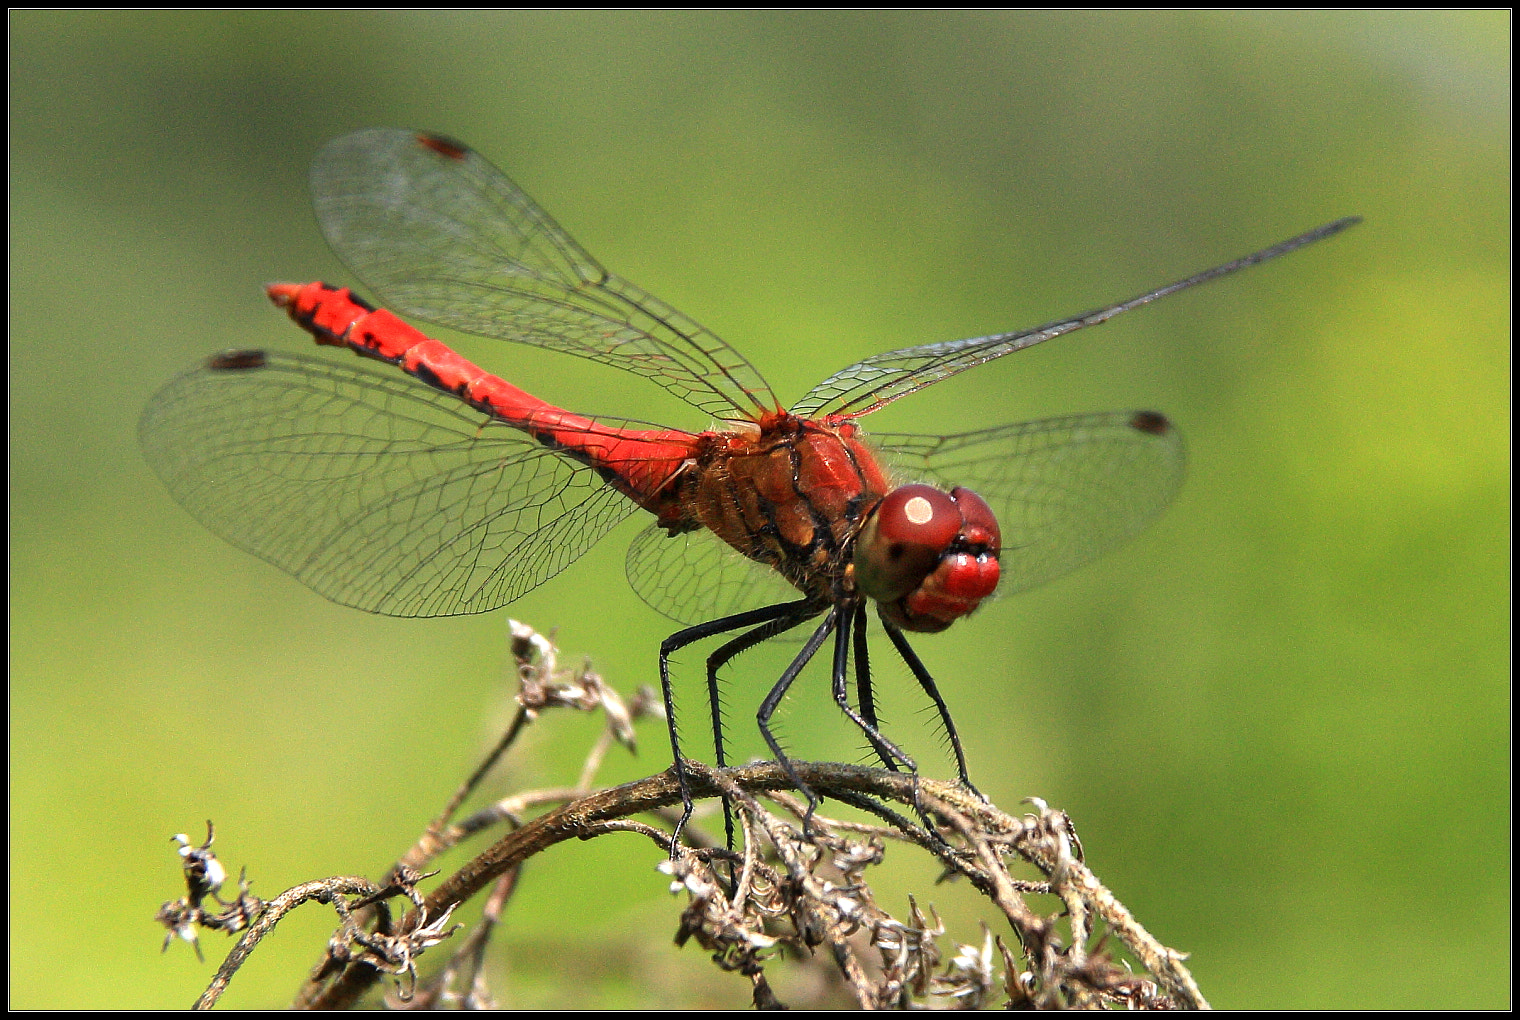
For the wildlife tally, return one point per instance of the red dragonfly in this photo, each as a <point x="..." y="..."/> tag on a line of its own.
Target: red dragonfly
<point x="455" y="492"/>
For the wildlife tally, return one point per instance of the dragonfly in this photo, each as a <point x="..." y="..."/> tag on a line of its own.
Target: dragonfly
<point x="443" y="489"/>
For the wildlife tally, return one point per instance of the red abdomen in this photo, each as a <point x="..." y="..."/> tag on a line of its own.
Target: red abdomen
<point x="641" y="463"/>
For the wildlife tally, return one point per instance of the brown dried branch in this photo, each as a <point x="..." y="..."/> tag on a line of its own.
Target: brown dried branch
<point x="796" y="889"/>
<point x="825" y="911"/>
<point x="327" y="890"/>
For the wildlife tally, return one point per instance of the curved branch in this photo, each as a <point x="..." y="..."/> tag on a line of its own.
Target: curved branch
<point x="988" y="836"/>
<point x="326" y="890"/>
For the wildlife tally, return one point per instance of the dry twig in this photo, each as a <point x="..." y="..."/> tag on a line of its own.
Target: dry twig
<point x="792" y="888"/>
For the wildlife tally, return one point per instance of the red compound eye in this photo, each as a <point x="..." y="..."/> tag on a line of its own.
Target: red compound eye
<point x="904" y="540"/>
<point x="919" y="515"/>
<point x="979" y="526"/>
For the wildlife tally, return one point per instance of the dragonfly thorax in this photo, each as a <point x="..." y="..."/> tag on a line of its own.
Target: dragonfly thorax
<point x="792" y="497"/>
<point x="928" y="557"/>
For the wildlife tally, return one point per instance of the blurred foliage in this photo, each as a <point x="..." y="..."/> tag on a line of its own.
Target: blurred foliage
<point x="1280" y="718"/>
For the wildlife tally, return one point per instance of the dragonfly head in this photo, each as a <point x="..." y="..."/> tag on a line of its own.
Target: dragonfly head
<point x="927" y="556"/>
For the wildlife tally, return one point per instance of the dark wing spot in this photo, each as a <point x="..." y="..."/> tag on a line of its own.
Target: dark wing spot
<point x="1150" y="422"/>
<point x="444" y="146"/>
<point x="236" y="361"/>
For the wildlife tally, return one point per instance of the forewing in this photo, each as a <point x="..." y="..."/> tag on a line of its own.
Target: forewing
<point x="882" y="378"/>
<point x="878" y="380"/>
<point x="442" y="235"/>
<point x="696" y="577"/>
<point x="1065" y="490"/>
<point x="372" y="489"/>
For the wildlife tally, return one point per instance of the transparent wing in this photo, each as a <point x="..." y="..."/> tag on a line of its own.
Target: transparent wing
<point x="696" y="577"/>
<point x="442" y="235"/>
<point x="1065" y="490"/>
<point x="374" y="490"/>
<point x="878" y="380"/>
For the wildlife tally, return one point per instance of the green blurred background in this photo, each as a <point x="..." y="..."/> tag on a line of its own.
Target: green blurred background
<point x="1279" y="718"/>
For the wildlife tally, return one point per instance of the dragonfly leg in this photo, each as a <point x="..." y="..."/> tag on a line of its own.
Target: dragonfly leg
<point x="720" y="658"/>
<point x="886" y="750"/>
<point x="863" y="684"/>
<point x="865" y="719"/>
<point x="784" y="615"/>
<point x="921" y="674"/>
<point x="773" y="699"/>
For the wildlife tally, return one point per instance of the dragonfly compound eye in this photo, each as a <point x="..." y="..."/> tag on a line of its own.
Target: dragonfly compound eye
<point x="928" y="557"/>
<point x="903" y="540"/>
<point x="979" y="526"/>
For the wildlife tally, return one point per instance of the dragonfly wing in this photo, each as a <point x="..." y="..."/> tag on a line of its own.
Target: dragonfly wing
<point x="1065" y="490"/>
<point x="442" y="235"/>
<point x="696" y="577"/>
<point x="882" y="378"/>
<point x="878" y="380"/>
<point x="373" y="490"/>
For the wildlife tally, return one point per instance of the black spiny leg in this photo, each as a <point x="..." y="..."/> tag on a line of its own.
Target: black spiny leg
<point x="720" y="658"/>
<point x="863" y="683"/>
<point x="885" y="749"/>
<point x="927" y="683"/>
<point x="794" y="612"/>
<point x="889" y="752"/>
<point x="773" y="699"/>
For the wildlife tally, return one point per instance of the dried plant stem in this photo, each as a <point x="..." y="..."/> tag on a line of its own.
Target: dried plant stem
<point x="986" y="836"/>
<point x="327" y="890"/>
<point x="796" y="891"/>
